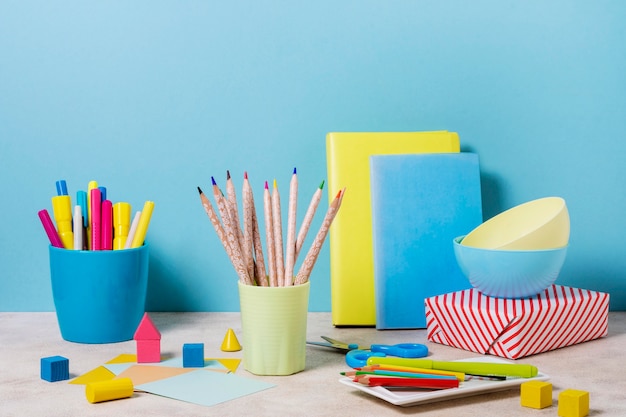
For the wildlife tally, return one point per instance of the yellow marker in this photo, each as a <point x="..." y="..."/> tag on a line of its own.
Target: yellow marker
<point x="90" y="186"/>
<point x="121" y="224"/>
<point x="62" y="210"/>
<point x="144" y="222"/>
<point x="113" y="389"/>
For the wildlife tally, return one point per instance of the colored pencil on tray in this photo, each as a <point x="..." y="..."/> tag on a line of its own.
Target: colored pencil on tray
<point x="423" y="383"/>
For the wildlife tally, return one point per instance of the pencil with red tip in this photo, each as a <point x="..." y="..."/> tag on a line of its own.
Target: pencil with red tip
<point x="424" y="383"/>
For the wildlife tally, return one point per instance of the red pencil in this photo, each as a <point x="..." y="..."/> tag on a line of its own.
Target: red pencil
<point x="427" y="383"/>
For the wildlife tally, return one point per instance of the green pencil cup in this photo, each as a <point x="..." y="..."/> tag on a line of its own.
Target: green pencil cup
<point x="274" y="322"/>
<point x="99" y="296"/>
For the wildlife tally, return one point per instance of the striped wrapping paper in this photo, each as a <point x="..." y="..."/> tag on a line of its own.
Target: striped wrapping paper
<point x="513" y="328"/>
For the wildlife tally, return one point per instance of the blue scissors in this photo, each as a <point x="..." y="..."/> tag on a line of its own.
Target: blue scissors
<point x="357" y="356"/>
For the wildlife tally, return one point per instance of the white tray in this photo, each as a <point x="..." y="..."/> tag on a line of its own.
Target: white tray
<point x="405" y="398"/>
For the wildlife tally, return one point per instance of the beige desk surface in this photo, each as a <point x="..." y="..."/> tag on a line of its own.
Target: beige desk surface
<point x="597" y="366"/>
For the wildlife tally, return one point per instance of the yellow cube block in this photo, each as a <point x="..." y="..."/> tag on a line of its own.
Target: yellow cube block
<point x="573" y="403"/>
<point x="536" y="394"/>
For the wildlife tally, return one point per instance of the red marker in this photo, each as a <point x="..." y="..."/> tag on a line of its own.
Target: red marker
<point x="96" y="218"/>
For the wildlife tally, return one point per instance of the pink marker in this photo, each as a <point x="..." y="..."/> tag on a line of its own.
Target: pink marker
<point x="107" y="225"/>
<point x="48" y="226"/>
<point x="96" y="219"/>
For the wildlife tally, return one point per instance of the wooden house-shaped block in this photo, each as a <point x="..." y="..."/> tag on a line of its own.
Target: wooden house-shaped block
<point x="148" y="340"/>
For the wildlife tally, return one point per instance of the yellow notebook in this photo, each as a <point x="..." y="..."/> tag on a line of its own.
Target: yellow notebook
<point x="351" y="244"/>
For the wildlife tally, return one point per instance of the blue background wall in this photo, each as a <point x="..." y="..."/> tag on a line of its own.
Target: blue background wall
<point x="152" y="98"/>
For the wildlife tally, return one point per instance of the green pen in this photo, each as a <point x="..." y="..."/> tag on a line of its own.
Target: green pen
<point x="472" y="368"/>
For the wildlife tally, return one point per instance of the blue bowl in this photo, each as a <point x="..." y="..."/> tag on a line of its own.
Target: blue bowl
<point x="509" y="273"/>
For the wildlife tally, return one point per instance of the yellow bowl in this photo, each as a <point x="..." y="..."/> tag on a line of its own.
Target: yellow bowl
<point x="537" y="224"/>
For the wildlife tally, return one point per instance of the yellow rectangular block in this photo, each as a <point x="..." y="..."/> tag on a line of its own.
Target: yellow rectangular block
<point x="351" y="241"/>
<point x="536" y="394"/>
<point x="573" y="403"/>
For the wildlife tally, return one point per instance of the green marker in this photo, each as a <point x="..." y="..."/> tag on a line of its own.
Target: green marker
<point x="471" y="368"/>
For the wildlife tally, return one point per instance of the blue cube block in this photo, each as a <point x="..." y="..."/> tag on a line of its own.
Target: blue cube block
<point x="193" y="355"/>
<point x="55" y="368"/>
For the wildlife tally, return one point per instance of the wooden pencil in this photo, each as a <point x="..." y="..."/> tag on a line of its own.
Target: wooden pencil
<point x="246" y="240"/>
<point x="219" y="230"/>
<point x="308" y="218"/>
<point x="231" y="235"/>
<point x="260" y="273"/>
<point x="278" y="236"/>
<point x="252" y="235"/>
<point x="269" y="236"/>
<point x="314" y="251"/>
<point x="290" y="247"/>
<point x="234" y="216"/>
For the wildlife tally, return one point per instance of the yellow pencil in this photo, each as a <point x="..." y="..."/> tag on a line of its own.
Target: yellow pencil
<point x="144" y="222"/>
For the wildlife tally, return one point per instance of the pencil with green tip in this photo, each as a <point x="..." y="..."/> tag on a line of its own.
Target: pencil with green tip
<point x="314" y="251"/>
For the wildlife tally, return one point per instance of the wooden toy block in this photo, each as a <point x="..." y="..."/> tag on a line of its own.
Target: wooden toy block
<point x="148" y="340"/>
<point x="573" y="403"/>
<point x="193" y="355"/>
<point x="55" y="368"/>
<point x="536" y="394"/>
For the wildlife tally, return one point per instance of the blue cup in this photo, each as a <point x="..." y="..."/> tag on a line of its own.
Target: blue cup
<point x="99" y="296"/>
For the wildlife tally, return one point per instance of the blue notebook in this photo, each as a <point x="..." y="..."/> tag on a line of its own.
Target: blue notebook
<point x="420" y="203"/>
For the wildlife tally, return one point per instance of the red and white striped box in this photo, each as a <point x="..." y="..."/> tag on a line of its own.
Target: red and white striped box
<point x="513" y="328"/>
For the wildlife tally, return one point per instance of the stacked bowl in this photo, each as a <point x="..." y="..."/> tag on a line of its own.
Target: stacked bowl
<point x="519" y="252"/>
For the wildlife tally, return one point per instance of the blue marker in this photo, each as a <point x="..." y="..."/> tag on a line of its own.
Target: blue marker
<point x="81" y="200"/>
<point x="61" y="187"/>
<point x="103" y="192"/>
